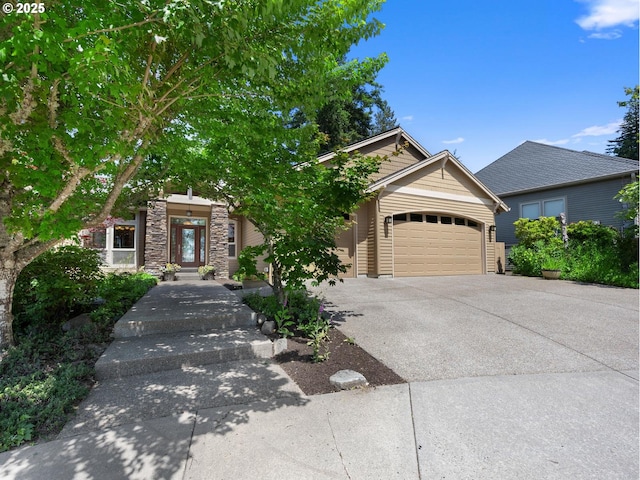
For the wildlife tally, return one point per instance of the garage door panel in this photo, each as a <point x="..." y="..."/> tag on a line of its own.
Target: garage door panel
<point x="422" y="248"/>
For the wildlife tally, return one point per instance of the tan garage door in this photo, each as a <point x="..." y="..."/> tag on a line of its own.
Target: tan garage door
<point x="346" y="251"/>
<point x="431" y="244"/>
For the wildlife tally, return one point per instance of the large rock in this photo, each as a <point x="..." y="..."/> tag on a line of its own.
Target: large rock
<point x="347" y="379"/>
<point x="268" y="327"/>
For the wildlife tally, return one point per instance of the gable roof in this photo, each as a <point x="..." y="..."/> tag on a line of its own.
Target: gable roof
<point x="397" y="132"/>
<point x="443" y="157"/>
<point x="533" y="166"/>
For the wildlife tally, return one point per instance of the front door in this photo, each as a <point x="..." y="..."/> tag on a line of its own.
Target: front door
<point x="188" y="243"/>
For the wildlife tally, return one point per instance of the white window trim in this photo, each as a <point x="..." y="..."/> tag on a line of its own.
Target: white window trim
<point x="235" y="230"/>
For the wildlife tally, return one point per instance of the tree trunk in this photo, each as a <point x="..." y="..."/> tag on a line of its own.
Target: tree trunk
<point x="8" y="277"/>
<point x="278" y="289"/>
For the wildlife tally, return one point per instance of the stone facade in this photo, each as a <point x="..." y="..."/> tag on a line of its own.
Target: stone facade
<point x="156" y="237"/>
<point x="218" y="240"/>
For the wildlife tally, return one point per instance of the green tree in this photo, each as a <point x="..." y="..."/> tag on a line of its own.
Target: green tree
<point x="295" y="203"/>
<point x="626" y="145"/>
<point x="96" y="98"/>
<point x="346" y="119"/>
<point x="384" y="119"/>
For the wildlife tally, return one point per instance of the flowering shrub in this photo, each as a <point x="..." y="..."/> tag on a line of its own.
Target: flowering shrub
<point x="170" y="268"/>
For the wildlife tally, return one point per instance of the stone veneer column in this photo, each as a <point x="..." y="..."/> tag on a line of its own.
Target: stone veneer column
<point x="156" y="238"/>
<point x="218" y="240"/>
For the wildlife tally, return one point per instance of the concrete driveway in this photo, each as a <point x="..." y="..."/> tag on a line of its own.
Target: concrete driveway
<point x="510" y="377"/>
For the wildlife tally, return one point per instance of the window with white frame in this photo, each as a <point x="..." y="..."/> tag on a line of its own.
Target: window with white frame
<point x="124" y="236"/>
<point x="544" y="208"/>
<point x="231" y="238"/>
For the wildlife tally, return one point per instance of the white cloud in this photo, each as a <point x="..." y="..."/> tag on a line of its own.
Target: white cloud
<point x="456" y="140"/>
<point x="612" y="35"/>
<point x="608" y="13"/>
<point x="407" y="118"/>
<point x="598" y="130"/>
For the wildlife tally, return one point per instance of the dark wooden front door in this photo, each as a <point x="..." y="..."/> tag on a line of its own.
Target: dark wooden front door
<point x="188" y="244"/>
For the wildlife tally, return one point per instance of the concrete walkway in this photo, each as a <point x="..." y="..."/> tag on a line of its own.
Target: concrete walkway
<point x="493" y="393"/>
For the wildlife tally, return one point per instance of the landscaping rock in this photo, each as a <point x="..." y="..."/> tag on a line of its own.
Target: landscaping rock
<point x="76" y="322"/>
<point x="347" y="379"/>
<point x="279" y="346"/>
<point x="268" y="327"/>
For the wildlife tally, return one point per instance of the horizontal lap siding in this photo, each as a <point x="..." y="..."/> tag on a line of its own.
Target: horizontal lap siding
<point x="589" y="201"/>
<point x="362" y="245"/>
<point x="250" y="236"/>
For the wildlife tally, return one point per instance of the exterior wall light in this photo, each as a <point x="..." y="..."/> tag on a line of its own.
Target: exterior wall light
<point x="388" y="219"/>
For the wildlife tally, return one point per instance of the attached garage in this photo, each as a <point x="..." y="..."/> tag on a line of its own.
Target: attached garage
<point x="426" y="215"/>
<point x="433" y="244"/>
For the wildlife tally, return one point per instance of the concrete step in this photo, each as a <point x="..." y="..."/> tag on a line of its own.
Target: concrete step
<point x="156" y="353"/>
<point x="184" y="306"/>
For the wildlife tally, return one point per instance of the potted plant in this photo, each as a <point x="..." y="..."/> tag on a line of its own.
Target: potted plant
<point x="551" y="268"/>
<point x="207" y="272"/>
<point x="169" y="271"/>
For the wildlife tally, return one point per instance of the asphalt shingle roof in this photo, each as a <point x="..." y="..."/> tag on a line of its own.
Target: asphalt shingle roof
<point x="535" y="165"/>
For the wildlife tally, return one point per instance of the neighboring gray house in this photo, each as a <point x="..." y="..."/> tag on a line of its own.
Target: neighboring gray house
<point x="538" y="180"/>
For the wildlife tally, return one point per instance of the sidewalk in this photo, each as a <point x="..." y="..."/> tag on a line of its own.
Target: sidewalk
<point x="240" y="419"/>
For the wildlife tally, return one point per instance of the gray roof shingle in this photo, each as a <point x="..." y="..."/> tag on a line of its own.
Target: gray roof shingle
<point x="532" y="166"/>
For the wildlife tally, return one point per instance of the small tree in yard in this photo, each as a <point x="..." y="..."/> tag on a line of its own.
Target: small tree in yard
<point x="297" y="205"/>
<point x="97" y="97"/>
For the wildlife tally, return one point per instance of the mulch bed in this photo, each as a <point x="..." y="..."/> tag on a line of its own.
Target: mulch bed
<point x="313" y="378"/>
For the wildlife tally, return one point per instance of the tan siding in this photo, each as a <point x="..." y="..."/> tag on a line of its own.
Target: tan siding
<point x="372" y="269"/>
<point x="362" y="245"/>
<point x="407" y="157"/>
<point x="448" y="180"/>
<point x="345" y="250"/>
<point x="387" y="147"/>
<point x="247" y="235"/>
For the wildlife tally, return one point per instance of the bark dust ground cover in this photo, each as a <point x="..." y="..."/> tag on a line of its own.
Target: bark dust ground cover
<point x="344" y="354"/>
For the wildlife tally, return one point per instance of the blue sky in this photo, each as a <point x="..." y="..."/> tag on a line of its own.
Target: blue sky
<point x="481" y="77"/>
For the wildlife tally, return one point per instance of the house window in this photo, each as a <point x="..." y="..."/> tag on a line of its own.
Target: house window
<point x="95" y="238"/>
<point x="124" y="236"/>
<point x="553" y="208"/>
<point x="231" y="238"/>
<point x="530" y="210"/>
<point x="550" y="208"/>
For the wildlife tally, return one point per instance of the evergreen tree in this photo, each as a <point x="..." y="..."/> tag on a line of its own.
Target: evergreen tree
<point x="384" y="118"/>
<point x="626" y="145"/>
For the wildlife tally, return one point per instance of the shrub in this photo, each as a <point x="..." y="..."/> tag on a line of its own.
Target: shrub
<point x="544" y="229"/>
<point x="56" y="284"/>
<point x="301" y="314"/>
<point x="584" y="232"/>
<point x="530" y="261"/>
<point x="49" y="371"/>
